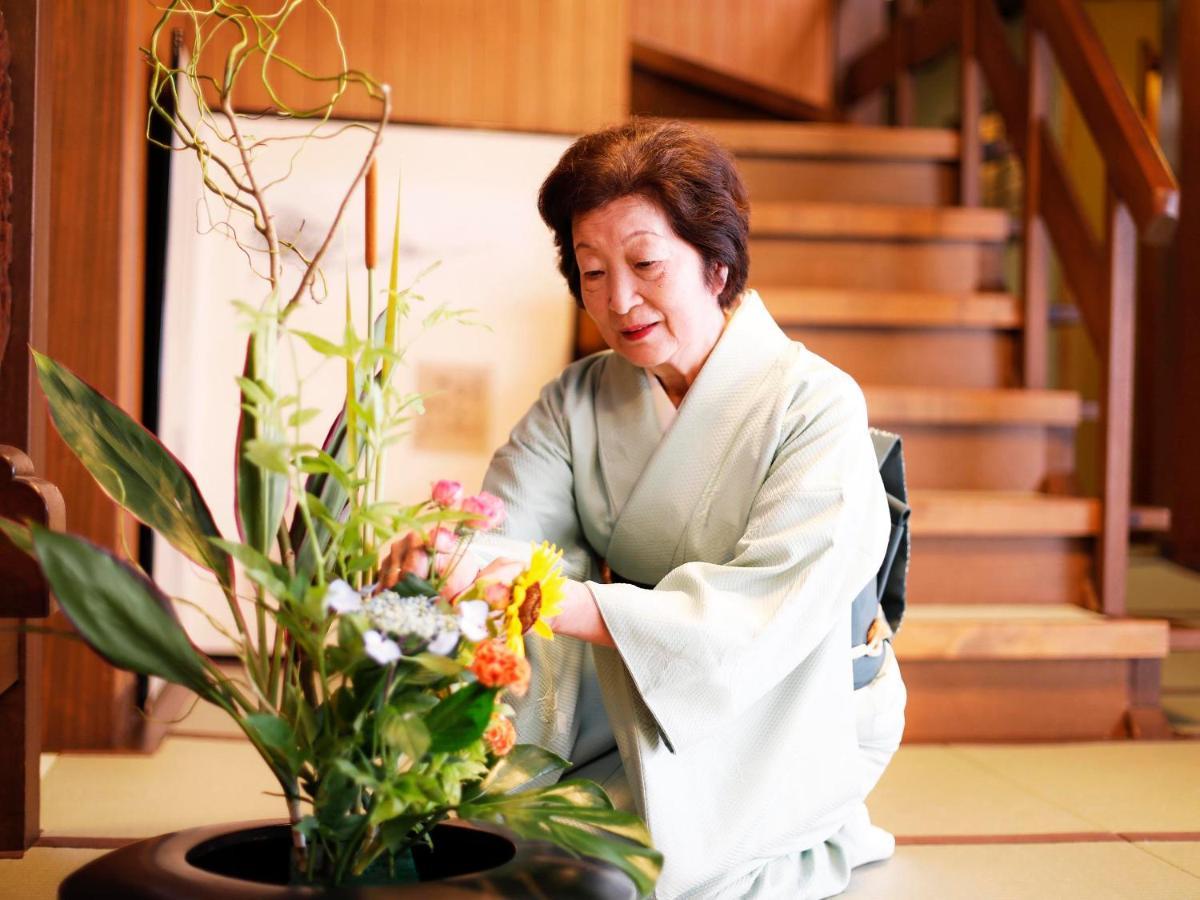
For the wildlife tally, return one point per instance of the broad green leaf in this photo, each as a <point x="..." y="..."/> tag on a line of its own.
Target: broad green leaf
<point x="19" y="534"/>
<point x="120" y="613"/>
<point x="461" y="718"/>
<point x="132" y="466"/>
<point x="407" y="733"/>
<point x="524" y="763"/>
<point x="596" y="830"/>
<point x="443" y="666"/>
<point x="261" y="460"/>
<point x="277" y="736"/>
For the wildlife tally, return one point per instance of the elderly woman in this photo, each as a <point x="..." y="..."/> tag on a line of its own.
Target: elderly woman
<point x="717" y="494"/>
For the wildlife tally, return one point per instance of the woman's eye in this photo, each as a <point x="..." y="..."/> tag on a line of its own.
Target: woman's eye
<point x="593" y="273"/>
<point x="647" y="264"/>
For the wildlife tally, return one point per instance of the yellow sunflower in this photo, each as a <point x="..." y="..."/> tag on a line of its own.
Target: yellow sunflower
<point x="537" y="595"/>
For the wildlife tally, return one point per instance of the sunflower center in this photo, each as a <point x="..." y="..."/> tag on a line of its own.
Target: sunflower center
<point x="531" y="608"/>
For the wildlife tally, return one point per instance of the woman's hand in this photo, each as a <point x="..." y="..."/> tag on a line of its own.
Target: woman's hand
<point x="580" y="617"/>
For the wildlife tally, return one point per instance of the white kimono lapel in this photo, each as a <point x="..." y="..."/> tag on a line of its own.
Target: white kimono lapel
<point x="655" y="480"/>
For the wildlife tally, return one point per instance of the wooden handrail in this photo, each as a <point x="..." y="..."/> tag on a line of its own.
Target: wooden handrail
<point x="1140" y="175"/>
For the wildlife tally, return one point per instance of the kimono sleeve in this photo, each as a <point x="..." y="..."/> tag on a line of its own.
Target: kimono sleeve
<point x="711" y="640"/>
<point x="532" y="474"/>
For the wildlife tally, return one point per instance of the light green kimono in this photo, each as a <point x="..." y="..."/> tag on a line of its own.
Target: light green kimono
<point x="758" y="516"/>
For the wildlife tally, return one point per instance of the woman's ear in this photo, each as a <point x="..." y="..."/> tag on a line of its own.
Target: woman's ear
<point x="720" y="276"/>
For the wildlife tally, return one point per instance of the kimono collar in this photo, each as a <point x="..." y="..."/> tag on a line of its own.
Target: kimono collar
<point x="655" y="480"/>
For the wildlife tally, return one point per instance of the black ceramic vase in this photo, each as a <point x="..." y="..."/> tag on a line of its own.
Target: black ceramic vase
<point x="249" y="861"/>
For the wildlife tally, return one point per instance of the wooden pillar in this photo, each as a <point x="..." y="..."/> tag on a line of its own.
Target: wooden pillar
<point x="1116" y="409"/>
<point x="970" y="85"/>
<point x="95" y="307"/>
<point x="1036" y="250"/>
<point x="1185" y="327"/>
<point x="24" y="207"/>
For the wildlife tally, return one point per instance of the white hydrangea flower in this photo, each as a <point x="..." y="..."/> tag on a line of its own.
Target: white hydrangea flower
<point x="413" y="618"/>
<point x="382" y="650"/>
<point x="341" y="598"/>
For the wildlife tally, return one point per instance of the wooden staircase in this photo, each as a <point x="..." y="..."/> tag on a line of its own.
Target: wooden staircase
<point x="871" y="246"/>
<point x="859" y="251"/>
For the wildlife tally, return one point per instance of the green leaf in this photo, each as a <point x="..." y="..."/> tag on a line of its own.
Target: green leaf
<point x="19" y="534"/>
<point x="594" y="829"/>
<point x="132" y="466"/>
<point x="524" y="763"/>
<point x="271" y="575"/>
<point x="277" y="736"/>
<point x="120" y="613"/>
<point x="325" y="347"/>
<point x="261" y="461"/>
<point x="407" y="733"/>
<point x="331" y="486"/>
<point x="461" y="718"/>
<point x="442" y="666"/>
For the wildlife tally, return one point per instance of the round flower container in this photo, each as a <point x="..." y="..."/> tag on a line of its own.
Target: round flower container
<point x="250" y="861"/>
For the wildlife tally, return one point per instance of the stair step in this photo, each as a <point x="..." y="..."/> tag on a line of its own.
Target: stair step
<point x="995" y="514"/>
<point x="937" y="631"/>
<point x="749" y="138"/>
<point x="831" y="307"/>
<point x="856" y="221"/>
<point x="900" y="405"/>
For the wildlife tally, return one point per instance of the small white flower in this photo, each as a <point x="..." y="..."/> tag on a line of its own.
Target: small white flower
<point x="444" y="643"/>
<point x="341" y="598"/>
<point x="472" y="619"/>
<point x="382" y="650"/>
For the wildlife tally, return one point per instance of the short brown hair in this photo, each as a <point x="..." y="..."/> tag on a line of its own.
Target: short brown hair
<point x="685" y="172"/>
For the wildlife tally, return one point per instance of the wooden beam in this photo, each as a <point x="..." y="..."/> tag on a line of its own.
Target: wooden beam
<point x="679" y="68"/>
<point x="1003" y="74"/>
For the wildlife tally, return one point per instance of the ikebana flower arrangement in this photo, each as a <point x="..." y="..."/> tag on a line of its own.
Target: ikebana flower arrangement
<point x="377" y="655"/>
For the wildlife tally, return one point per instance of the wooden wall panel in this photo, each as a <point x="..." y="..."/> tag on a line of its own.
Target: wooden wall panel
<point x="97" y="196"/>
<point x="786" y="45"/>
<point x="534" y="65"/>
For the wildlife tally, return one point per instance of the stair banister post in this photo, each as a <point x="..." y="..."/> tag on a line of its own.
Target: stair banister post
<point x="1116" y="407"/>
<point x="903" y="101"/>
<point x="970" y="100"/>
<point x="1036" y="241"/>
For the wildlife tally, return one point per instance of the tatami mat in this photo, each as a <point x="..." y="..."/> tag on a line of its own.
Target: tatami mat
<point x="1185" y="856"/>
<point x="1025" y="872"/>
<point x="201" y="718"/>
<point x="37" y="875"/>
<point x="1118" y="786"/>
<point x="1159" y="586"/>
<point x="188" y="782"/>
<point x="1183" y="711"/>
<point x="931" y="790"/>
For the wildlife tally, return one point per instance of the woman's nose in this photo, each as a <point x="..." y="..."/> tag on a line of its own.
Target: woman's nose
<point x="623" y="295"/>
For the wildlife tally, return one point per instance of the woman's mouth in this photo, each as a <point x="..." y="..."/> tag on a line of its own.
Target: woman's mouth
<point x="636" y="334"/>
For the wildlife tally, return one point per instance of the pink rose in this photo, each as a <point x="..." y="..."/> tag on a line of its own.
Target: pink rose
<point x="447" y="493"/>
<point x="489" y="510"/>
<point x="443" y="540"/>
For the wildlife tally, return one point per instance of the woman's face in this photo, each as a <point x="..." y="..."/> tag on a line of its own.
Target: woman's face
<point x="645" y="288"/>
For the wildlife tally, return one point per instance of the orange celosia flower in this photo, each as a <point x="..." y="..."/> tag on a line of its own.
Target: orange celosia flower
<point x="500" y="735"/>
<point x="496" y="665"/>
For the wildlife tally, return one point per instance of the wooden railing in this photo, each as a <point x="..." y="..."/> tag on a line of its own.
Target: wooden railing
<point x="1143" y="196"/>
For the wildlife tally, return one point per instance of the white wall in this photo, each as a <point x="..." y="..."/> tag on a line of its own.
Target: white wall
<point x="468" y="198"/>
